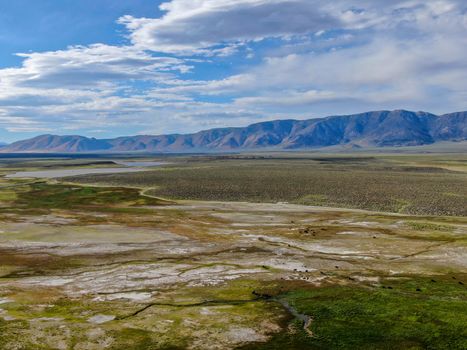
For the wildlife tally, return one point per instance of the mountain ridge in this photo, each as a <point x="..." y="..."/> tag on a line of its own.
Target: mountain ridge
<point x="375" y="128"/>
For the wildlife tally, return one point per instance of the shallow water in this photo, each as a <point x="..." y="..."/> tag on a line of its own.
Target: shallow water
<point x="132" y="167"/>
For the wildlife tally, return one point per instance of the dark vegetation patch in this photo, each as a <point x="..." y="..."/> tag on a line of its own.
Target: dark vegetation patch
<point x="427" y="226"/>
<point x="48" y="196"/>
<point x="15" y="336"/>
<point x="30" y="262"/>
<point x="139" y="339"/>
<point x="65" y="165"/>
<point x="373" y="184"/>
<point x="413" y="313"/>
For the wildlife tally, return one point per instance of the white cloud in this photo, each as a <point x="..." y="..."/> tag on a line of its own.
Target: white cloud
<point x="288" y="98"/>
<point x="88" y="66"/>
<point x="191" y="25"/>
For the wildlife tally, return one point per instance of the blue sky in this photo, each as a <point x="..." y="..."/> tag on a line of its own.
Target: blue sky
<point x="106" y="68"/>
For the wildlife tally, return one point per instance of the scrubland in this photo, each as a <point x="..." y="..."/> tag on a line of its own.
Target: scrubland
<point x="431" y="185"/>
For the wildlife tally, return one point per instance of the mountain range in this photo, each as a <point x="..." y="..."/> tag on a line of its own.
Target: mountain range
<point x="370" y="129"/>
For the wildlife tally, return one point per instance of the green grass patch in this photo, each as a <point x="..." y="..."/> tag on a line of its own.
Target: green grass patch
<point x="418" y="313"/>
<point x="7" y="196"/>
<point x="51" y="196"/>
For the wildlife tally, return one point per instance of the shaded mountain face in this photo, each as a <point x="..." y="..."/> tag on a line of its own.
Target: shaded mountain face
<point x="381" y="128"/>
<point x="54" y="143"/>
<point x="451" y="126"/>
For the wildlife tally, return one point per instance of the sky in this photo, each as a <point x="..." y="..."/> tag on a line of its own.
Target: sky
<point x="107" y="68"/>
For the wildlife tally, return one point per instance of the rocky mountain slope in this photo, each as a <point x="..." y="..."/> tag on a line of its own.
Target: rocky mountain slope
<point x="380" y="128"/>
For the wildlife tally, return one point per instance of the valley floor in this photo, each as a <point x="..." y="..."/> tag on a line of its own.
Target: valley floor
<point x="90" y="267"/>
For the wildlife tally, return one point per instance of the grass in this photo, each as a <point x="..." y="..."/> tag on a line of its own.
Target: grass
<point x="49" y="196"/>
<point x="158" y="327"/>
<point x="138" y="339"/>
<point x="7" y="196"/>
<point x="358" y="317"/>
<point x="427" y="226"/>
<point x="373" y="183"/>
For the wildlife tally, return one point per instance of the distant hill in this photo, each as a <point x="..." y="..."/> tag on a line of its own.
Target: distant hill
<point x="371" y="129"/>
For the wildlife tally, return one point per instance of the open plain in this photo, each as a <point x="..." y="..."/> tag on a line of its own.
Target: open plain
<point x="272" y="251"/>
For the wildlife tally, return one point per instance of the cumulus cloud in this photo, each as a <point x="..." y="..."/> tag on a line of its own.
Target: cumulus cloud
<point x="190" y="25"/>
<point x="88" y="66"/>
